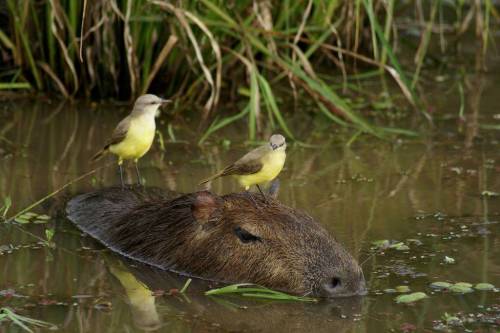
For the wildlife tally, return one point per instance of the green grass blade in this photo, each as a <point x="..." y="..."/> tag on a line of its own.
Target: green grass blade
<point x="220" y="12"/>
<point x="271" y="102"/>
<point x="279" y="297"/>
<point x="331" y="116"/>
<point x="26" y="44"/>
<point x="14" y="85"/>
<point x="388" y="49"/>
<point x="254" y="103"/>
<point x="373" y="22"/>
<point x="255" y="291"/>
<point x="22" y="321"/>
<point x="217" y="125"/>
<point x="387" y="28"/>
<point x="227" y="289"/>
<point x="186" y="286"/>
<point x="424" y="44"/>
<point x="5" y="40"/>
<point x="402" y="131"/>
<point x="7" y="203"/>
<point x="320" y="87"/>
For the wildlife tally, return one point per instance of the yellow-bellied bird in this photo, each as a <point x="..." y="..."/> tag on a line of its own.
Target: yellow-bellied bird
<point x="260" y="165"/>
<point x="134" y="135"/>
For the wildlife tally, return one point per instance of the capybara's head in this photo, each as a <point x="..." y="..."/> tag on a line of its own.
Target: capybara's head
<point x="269" y="244"/>
<point x="233" y="238"/>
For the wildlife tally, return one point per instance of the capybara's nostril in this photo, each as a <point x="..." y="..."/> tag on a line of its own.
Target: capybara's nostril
<point x="335" y="283"/>
<point x="343" y="284"/>
<point x="334" y="286"/>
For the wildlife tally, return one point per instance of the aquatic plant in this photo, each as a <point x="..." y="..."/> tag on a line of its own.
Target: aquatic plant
<point x="7" y="314"/>
<point x="257" y="292"/>
<point x="7" y="202"/>
<point x="411" y="298"/>
<point x="246" y="51"/>
<point x="186" y="286"/>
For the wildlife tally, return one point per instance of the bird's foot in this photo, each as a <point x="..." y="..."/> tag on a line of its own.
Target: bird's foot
<point x="266" y="201"/>
<point x="252" y="200"/>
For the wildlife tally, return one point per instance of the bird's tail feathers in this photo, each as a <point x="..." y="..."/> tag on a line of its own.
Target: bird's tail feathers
<point x="99" y="155"/>
<point x="209" y="179"/>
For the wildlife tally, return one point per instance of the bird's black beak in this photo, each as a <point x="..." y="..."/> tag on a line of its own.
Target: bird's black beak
<point x="274" y="146"/>
<point x="165" y="101"/>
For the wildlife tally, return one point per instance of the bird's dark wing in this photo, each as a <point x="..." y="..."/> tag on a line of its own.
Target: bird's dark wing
<point x="248" y="164"/>
<point x="119" y="133"/>
<point x="242" y="169"/>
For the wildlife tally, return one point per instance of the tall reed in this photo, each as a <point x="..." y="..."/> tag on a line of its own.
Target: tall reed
<point x="208" y="50"/>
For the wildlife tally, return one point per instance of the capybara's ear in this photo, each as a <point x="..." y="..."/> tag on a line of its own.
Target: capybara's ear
<point x="205" y="205"/>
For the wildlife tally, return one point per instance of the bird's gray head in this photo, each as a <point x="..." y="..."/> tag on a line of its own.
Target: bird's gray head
<point x="277" y="142"/>
<point x="148" y="103"/>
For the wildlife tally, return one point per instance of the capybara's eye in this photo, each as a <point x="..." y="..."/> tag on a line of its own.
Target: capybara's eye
<point x="246" y="236"/>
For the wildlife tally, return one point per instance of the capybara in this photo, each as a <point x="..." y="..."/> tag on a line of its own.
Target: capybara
<point x="238" y="237"/>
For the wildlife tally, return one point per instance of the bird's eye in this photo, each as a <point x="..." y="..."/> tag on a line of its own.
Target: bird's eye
<point x="245" y="236"/>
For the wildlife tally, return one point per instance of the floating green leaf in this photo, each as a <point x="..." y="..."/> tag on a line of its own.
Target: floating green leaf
<point x="490" y="194"/>
<point x="403" y="289"/>
<point x="382" y="244"/>
<point x="400" y="246"/>
<point x="31" y="217"/>
<point x="411" y="298"/>
<point x="21" y="220"/>
<point x="387" y="244"/>
<point x="451" y="320"/>
<point x="49" y="234"/>
<point x="484" y="286"/>
<point x="461" y="288"/>
<point x="448" y="260"/>
<point x="441" y="285"/>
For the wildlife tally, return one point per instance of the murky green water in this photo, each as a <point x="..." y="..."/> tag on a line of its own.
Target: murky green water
<point x="425" y="193"/>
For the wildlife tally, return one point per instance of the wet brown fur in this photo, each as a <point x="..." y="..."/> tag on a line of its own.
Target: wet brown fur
<point x="195" y="234"/>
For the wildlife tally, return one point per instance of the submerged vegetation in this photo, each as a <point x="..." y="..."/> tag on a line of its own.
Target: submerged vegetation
<point x="208" y="50"/>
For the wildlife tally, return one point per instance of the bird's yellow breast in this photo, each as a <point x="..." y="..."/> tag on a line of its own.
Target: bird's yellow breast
<point x="272" y="164"/>
<point x="138" y="140"/>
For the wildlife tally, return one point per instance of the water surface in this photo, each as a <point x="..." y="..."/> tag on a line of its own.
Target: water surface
<point x="426" y="192"/>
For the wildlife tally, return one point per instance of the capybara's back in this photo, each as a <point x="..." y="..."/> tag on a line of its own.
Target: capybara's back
<point x="96" y="213"/>
<point x="231" y="238"/>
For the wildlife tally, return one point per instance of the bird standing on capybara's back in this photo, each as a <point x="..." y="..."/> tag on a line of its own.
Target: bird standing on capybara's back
<point x="261" y="165"/>
<point x="221" y="238"/>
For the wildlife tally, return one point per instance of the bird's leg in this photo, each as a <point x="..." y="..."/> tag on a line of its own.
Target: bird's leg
<point x="262" y="193"/>
<point x="120" y="163"/>
<point x="136" y="161"/>
<point x="252" y="199"/>
<point x="250" y="195"/>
